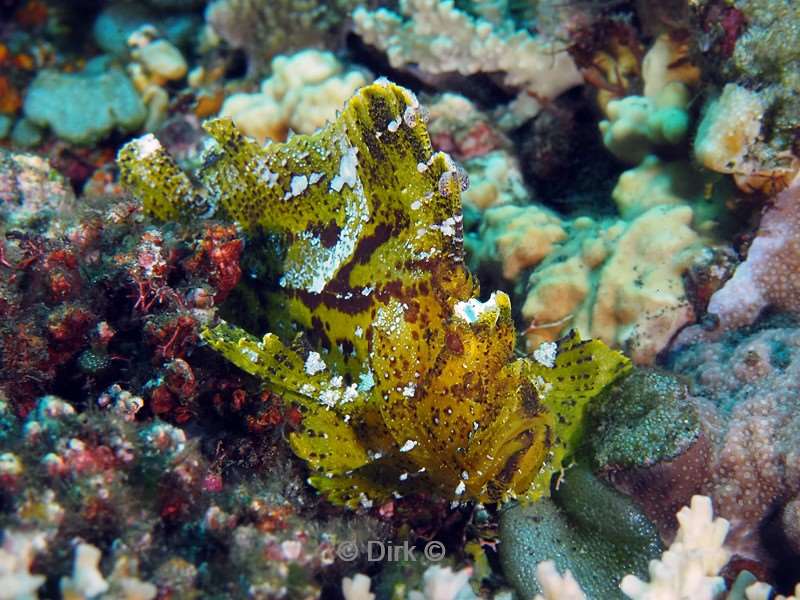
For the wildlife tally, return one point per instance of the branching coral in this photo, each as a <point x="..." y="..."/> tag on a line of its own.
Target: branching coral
<point x="440" y="583"/>
<point x="688" y="569"/>
<point x="405" y="379"/>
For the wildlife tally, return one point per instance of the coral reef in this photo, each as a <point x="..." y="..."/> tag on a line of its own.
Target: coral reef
<point x="158" y="290"/>
<point x="516" y="237"/>
<point x="618" y="281"/>
<point x="155" y="62"/>
<point x="439" y="38"/>
<point x="494" y="179"/>
<point x="303" y="92"/>
<point x="751" y="41"/>
<point x="624" y="171"/>
<point x="767" y="49"/>
<point x="688" y="569"/>
<point x="752" y="380"/>
<point x="457" y="126"/>
<point x="638" y="125"/>
<point x="266" y="28"/>
<point x="108" y="477"/>
<point x="347" y="223"/>
<point x="587" y="528"/>
<point x="767" y="279"/>
<point x="84" y="107"/>
<point x="30" y="189"/>
<point x="739" y="44"/>
<point x="621" y="280"/>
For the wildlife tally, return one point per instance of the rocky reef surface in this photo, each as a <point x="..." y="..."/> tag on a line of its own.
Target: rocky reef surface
<point x="425" y="299"/>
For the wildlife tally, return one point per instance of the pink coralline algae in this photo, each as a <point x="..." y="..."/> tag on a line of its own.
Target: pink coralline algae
<point x="770" y="276"/>
<point x="755" y="385"/>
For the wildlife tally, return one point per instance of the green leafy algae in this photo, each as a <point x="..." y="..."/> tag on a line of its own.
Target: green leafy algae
<point x="406" y="381"/>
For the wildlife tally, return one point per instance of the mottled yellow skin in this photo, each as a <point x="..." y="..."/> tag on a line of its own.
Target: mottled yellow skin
<point x="406" y="382"/>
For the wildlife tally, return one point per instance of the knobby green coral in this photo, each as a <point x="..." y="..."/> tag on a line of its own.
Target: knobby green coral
<point x="406" y="381"/>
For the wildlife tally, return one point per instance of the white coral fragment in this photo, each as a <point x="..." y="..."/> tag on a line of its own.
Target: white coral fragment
<point x="87" y="581"/>
<point x="357" y="587"/>
<point x="689" y="568"/>
<point x="556" y="586"/>
<point x="16" y="555"/>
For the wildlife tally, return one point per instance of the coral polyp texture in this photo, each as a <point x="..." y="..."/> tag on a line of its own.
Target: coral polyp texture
<point x="440" y="38"/>
<point x="406" y="380"/>
<point x="257" y="311"/>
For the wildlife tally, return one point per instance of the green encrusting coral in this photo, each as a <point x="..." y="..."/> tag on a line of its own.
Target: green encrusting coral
<point x="406" y="381"/>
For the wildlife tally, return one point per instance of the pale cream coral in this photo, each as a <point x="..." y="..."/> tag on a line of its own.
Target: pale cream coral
<point x="162" y="60"/>
<point x="88" y="582"/>
<point x="729" y="140"/>
<point x="730" y="127"/>
<point x="155" y="63"/>
<point x="620" y="281"/>
<point x="442" y="583"/>
<point x="494" y="179"/>
<point x="640" y="300"/>
<point x="521" y="236"/>
<point x="655" y="182"/>
<point x="687" y="570"/>
<point x="304" y="91"/>
<point x="651" y="183"/>
<point x="357" y="587"/>
<point x="763" y="591"/>
<point x="665" y="62"/>
<point x="439" y="583"/>
<point x="16" y="556"/>
<point x="637" y="125"/>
